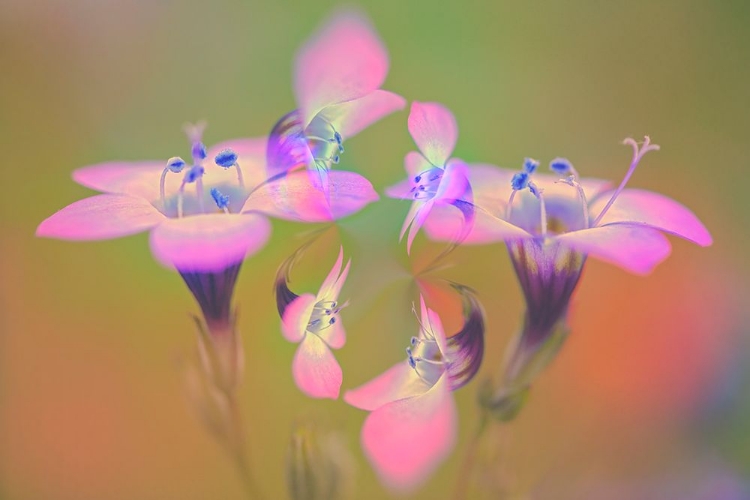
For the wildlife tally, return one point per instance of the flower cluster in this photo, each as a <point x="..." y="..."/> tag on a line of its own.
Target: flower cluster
<point x="206" y="216"/>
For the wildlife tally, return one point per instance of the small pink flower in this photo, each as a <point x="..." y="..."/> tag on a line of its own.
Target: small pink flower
<point x="412" y="425"/>
<point x="313" y="321"/>
<point x="435" y="179"/>
<point x="337" y="79"/>
<point x="204" y="217"/>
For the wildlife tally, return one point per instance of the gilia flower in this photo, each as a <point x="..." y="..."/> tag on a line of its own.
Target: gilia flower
<point x="412" y="425"/>
<point x="550" y="224"/>
<point x="313" y="321"/>
<point x="434" y="179"/>
<point x="203" y="218"/>
<point x="337" y="76"/>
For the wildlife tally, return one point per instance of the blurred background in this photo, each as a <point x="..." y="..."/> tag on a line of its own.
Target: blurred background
<point x="651" y="393"/>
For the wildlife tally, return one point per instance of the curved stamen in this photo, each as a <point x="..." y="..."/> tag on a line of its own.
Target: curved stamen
<point x="518" y="182"/>
<point x="638" y="153"/>
<point x="542" y="207"/>
<point x="175" y="165"/>
<point x="571" y="181"/>
<point x="227" y="159"/>
<point x="195" y="174"/>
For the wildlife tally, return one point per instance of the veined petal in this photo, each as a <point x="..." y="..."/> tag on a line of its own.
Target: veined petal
<point x="398" y="382"/>
<point x="635" y="248"/>
<point x="431" y="320"/>
<point x="344" y="60"/>
<point x="297" y="316"/>
<point x="139" y="179"/>
<point x="101" y="217"/>
<point x="407" y="439"/>
<point x="334" y="335"/>
<point x="433" y="128"/>
<point x="419" y="218"/>
<point x="637" y="206"/>
<point x="415" y="163"/>
<point x="315" y="369"/>
<point x="208" y="242"/>
<point x="455" y="182"/>
<point x="447" y="224"/>
<point x="297" y="198"/>
<point x="351" y="117"/>
<point x="328" y="284"/>
<point x="402" y="190"/>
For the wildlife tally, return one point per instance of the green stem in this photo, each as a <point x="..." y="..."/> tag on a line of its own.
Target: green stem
<point x="465" y="472"/>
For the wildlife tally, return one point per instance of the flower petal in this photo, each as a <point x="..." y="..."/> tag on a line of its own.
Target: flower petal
<point x="433" y="128"/>
<point x="653" y="209"/>
<point x="101" y="217"/>
<point x="398" y="382"/>
<point x="251" y="157"/>
<point x="334" y="335"/>
<point x="351" y="117"/>
<point x="344" y="60"/>
<point x="431" y="320"/>
<point x="123" y="177"/>
<point x="297" y="316"/>
<point x="402" y="190"/>
<point x="333" y="276"/>
<point x="209" y="242"/>
<point x="296" y="197"/>
<point x="407" y="439"/>
<point x="455" y="182"/>
<point x="635" y="248"/>
<point x="419" y="218"/>
<point x="315" y="369"/>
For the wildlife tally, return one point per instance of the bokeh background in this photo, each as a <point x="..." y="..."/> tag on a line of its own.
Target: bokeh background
<point x="651" y="392"/>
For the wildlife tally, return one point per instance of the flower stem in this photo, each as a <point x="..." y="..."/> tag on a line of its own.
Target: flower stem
<point x="236" y="446"/>
<point x="467" y="466"/>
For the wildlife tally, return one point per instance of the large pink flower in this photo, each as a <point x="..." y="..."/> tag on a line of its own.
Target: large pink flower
<point x="337" y="79"/>
<point x="412" y="425"/>
<point x="435" y="179"/>
<point x="204" y="217"/>
<point x="313" y="321"/>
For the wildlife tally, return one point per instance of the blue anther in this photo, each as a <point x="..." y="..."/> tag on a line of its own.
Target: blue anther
<point x="195" y="172"/>
<point x="414" y="341"/>
<point x="199" y="151"/>
<point x="529" y="165"/>
<point x="534" y="190"/>
<point x="176" y="164"/>
<point x="338" y="138"/>
<point x="335" y="159"/>
<point x="332" y="321"/>
<point x="341" y="149"/>
<point x="226" y="158"/>
<point x="412" y="362"/>
<point x="408" y="351"/>
<point x="561" y="166"/>
<point x="519" y="181"/>
<point x="418" y="178"/>
<point x="222" y="200"/>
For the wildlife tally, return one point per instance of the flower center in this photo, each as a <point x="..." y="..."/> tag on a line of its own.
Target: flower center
<point x="425" y="358"/>
<point x="324" y="315"/>
<point x="194" y="175"/>
<point x="426" y="183"/>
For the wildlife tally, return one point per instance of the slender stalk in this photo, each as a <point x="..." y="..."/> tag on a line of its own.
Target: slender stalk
<point x="466" y="470"/>
<point x="236" y="447"/>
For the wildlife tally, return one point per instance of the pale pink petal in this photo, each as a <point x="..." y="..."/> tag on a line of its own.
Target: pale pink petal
<point x="315" y="369"/>
<point x="333" y="276"/>
<point x="431" y="320"/>
<point x="101" y="217"/>
<point x="334" y="335"/>
<point x="415" y="163"/>
<point x="344" y="60"/>
<point x="455" y="182"/>
<point x="351" y="117"/>
<point x="445" y="223"/>
<point x="655" y="210"/>
<point x="490" y="186"/>
<point x="406" y="440"/>
<point x="402" y="190"/>
<point x="413" y="209"/>
<point x="297" y="316"/>
<point x="296" y="198"/>
<point x="419" y="219"/>
<point x="210" y="242"/>
<point x="398" y="382"/>
<point x="133" y="178"/>
<point x="433" y="128"/>
<point x="637" y="249"/>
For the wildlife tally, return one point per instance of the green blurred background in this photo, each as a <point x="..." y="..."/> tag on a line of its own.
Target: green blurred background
<point x="653" y="383"/>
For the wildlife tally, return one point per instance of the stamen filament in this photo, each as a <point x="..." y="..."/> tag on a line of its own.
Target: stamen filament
<point x="240" y="179"/>
<point x="638" y="153"/>
<point x="571" y="181"/>
<point x="199" y="193"/>
<point x="509" y="207"/>
<point x="161" y="187"/>
<point x="180" y="195"/>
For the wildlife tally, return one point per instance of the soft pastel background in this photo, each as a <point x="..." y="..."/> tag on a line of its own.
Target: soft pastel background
<point x="651" y="391"/>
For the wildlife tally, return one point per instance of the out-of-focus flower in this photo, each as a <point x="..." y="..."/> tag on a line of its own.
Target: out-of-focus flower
<point x="313" y="321"/>
<point x="318" y="465"/>
<point x="550" y="224"/>
<point x="434" y="177"/>
<point x="412" y="425"/>
<point x="337" y="79"/>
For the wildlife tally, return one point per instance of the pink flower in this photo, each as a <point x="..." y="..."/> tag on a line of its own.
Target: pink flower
<point x="550" y="224"/>
<point x="313" y="321"/>
<point x="337" y="79"/>
<point x="412" y="425"/>
<point x="204" y="232"/>
<point x="435" y="179"/>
